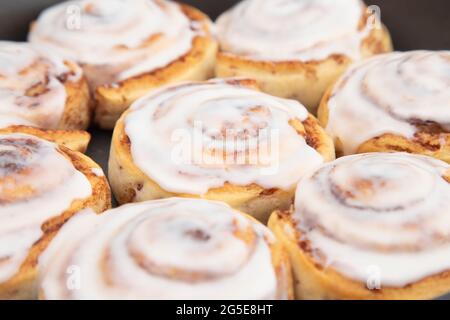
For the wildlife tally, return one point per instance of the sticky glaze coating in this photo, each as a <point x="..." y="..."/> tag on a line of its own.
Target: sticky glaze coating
<point x="388" y="211"/>
<point x="223" y="123"/>
<point x="292" y="30"/>
<point x="165" y="249"/>
<point x="37" y="182"/>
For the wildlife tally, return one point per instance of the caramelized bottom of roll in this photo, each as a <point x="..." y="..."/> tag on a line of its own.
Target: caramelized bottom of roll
<point x="314" y="282"/>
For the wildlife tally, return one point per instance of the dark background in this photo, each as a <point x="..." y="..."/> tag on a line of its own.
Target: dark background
<point x="414" y="24"/>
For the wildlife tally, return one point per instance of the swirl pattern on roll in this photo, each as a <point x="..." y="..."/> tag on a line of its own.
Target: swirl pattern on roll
<point x="127" y="38"/>
<point x="392" y="93"/>
<point x="165" y="249"/>
<point x="193" y="137"/>
<point x="37" y="182"/>
<point x="285" y="30"/>
<point x="32" y="88"/>
<point x="388" y="212"/>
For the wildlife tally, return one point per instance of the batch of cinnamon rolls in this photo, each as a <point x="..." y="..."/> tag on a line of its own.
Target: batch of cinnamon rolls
<point x="281" y="152"/>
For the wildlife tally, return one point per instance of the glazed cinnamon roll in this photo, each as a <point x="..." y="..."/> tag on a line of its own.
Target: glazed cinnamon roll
<point x="128" y="48"/>
<point x="395" y="102"/>
<point x="76" y="140"/>
<point x="166" y="249"/>
<point x="296" y="49"/>
<point x="370" y="226"/>
<point x="39" y="90"/>
<point x="218" y="140"/>
<point x="41" y="186"/>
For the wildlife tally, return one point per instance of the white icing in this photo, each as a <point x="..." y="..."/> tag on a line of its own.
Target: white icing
<point x="47" y="184"/>
<point x="201" y="112"/>
<point x="98" y="172"/>
<point x="172" y="238"/>
<point x="284" y="30"/>
<point x="389" y="211"/>
<point x="387" y="93"/>
<point x="123" y="38"/>
<point x="23" y="67"/>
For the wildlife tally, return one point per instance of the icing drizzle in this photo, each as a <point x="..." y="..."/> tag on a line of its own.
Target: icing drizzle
<point x="390" y="94"/>
<point x="304" y="29"/>
<point x="118" y="38"/>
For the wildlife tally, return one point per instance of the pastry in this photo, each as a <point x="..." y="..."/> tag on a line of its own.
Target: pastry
<point x="41" y="186"/>
<point x="218" y="140"/>
<point x="128" y="48"/>
<point x="39" y="90"/>
<point x="165" y="249"/>
<point x="370" y="226"/>
<point x="394" y="102"/>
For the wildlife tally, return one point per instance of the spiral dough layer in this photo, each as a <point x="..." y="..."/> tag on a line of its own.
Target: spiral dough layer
<point x="193" y="137"/>
<point x="32" y="88"/>
<point x="166" y="249"/>
<point x="128" y="38"/>
<point x="305" y="30"/>
<point x="392" y="93"/>
<point x="36" y="183"/>
<point x="388" y="212"/>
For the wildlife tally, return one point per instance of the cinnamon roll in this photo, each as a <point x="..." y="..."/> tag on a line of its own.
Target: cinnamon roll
<point x="165" y="249"/>
<point x="40" y="90"/>
<point x="128" y="48"/>
<point x="41" y="186"/>
<point x="370" y="226"/>
<point x="297" y="48"/>
<point x="395" y="102"/>
<point x="218" y="140"/>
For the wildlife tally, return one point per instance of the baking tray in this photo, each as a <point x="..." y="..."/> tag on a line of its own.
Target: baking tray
<point x="414" y="24"/>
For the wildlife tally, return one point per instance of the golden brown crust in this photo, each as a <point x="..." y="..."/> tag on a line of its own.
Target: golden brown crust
<point x="303" y="81"/>
<point x="312" y="281"/>
<point x="197" y="64"/>
<point x="73" y="139"/>
<point x="130" y="184"/>
<point x="78" y="109"/>
<point x="23" y="285"/>
<point x="430" y="139"/>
